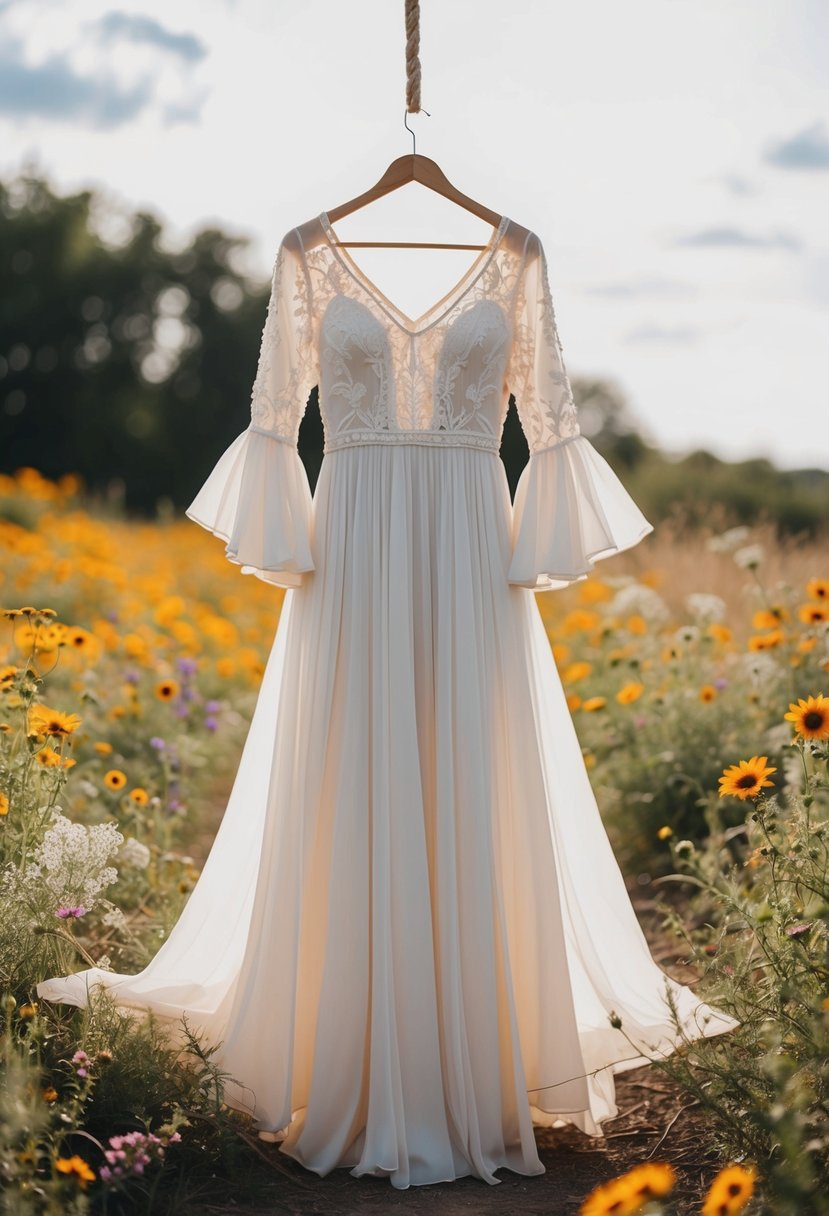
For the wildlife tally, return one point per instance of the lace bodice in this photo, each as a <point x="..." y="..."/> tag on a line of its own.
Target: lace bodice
<point x="385" y="378"/>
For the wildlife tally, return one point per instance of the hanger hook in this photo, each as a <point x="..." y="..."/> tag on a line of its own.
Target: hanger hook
<point x="409" y="129"/>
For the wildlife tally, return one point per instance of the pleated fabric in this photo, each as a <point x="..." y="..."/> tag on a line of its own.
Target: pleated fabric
<point x="411" y="929"/>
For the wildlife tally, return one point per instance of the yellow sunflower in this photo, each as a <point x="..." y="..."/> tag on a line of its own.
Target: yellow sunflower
<point x="45" y="721"/>
<point x="75" y="1167"/>
<point x="721" y="632"/>
<point x="615" y="1198"/>
<point x="810" y="717"/>
<point x="665" y="832"/>
<point x="818" y="589"/>
<point x="630" y="692"/>
<point x="707" y="693"/>
<point x="49" y="758"/>
<point x="139" y="796"/>
<point x="576" y="671"/>
<point x="593" y="703"/>
<point x="102" y="747"/>
<point x="115" y="779"/>
<point x="4" y="803"/>
<point x="165" y="690"/>
<point x="814" y="613"/>
<point x="730" y="1191"/>
<point x="746" y="779"/>
<point x="769" y="618"/>
<point x="766" y="641"/>
<point x="651" y="1180"/>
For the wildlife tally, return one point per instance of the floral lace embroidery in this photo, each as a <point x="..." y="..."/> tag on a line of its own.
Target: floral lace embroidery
<point x="538" y="374"/>
<point x="286" y="371"/>
<point x="447" y="382"/>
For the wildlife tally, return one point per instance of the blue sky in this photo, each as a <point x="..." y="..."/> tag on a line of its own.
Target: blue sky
<point x="672" y="155"/>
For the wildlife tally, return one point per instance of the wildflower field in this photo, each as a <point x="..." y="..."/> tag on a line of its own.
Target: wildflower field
<point x="696" y="668"/>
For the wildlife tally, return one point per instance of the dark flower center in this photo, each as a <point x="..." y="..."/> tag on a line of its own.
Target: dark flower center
<point x="813" y="720"/>
<point x="747" y="781"/>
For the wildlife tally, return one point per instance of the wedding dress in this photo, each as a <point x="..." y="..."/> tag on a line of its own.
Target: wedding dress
<point x="411" y="929"/>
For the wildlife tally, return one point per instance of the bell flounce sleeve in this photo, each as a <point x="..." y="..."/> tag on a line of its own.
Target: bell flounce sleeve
<point x="570" y="509"/>
<point x="257" y="498"/>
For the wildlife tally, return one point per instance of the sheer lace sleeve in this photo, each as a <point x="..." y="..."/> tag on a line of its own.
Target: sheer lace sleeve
<point x="570" y="508"/>
<point x="257" y="498"/>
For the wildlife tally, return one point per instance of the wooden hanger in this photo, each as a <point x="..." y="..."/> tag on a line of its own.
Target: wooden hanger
<point x="413" y="168"/>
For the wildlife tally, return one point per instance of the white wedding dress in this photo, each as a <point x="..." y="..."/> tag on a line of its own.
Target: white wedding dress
<point x="411" y="929"/>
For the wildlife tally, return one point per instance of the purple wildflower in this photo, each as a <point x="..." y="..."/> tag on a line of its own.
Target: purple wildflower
<point x="131" y="676"/>
<point x="798" y="930"/>
<point x="158" y="743"/>
<point x="720" y="683"/>
<point x="64" y="913"/>
<point x="187" y="666"/>
<point x="211" y="723"/>
<point x="212" y="706"/>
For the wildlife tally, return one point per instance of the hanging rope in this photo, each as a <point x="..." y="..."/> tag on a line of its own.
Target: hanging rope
<point x="412" y="57"/>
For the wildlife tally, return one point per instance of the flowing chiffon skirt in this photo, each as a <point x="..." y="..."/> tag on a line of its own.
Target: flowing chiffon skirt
<point x="411" y="928"/>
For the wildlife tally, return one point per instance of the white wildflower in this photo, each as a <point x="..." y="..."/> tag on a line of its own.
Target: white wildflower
<point x="759" y="666"/>
<point x="726" y="541"/>
<point x="105" y="962"/>
<point x="114" y="919"/>
<point x="705" y="607"/>
<point x="134" y="853"/>
<point x="636" y="598"/>
<point x="750" y="557"/>
<point x="687" y="634"/>
<point x="72" y="861"/>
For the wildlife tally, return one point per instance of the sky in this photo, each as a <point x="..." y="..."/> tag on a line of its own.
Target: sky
<point x="672" y="156"/>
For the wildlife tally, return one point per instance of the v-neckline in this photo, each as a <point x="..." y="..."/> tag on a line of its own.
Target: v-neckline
<point x="410" y="325"/>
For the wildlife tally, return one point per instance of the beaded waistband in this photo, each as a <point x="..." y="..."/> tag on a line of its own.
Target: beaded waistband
<point x="430" y="438"/>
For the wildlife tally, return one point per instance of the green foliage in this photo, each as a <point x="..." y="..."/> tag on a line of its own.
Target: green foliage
<point x="760" y="899"/>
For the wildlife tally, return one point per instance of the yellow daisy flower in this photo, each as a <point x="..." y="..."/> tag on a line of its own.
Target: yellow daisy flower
<point x="818" y="588"/>
<point x="814" y="613"/>
<point x="75" y="1167"/>
<point x="707" y="693"/>
<point x="45" y="721"/>
<point x="768" y="618"/>
<point x="102" y="747"/>
<point x="810" y="717"/>
<point x="139" y="796"/>
<point x="730" y="1191"/>
<point x="746" y="779"/>
<point x="630" y="692"/>
<point x="721" y="632"/>
<point x="4" y="803"/>
<point x="165" y="690"/>
<point x="766" y="641"/>
<point x="651" y="1180"/>
<point x="576" y="671"/>
<point x="593" y="703"/>
<point x="115" y="779"/>
<point x="665" y="832"/>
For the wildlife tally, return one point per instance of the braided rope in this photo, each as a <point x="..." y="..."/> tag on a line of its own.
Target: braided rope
<point x="412" y="58"/>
